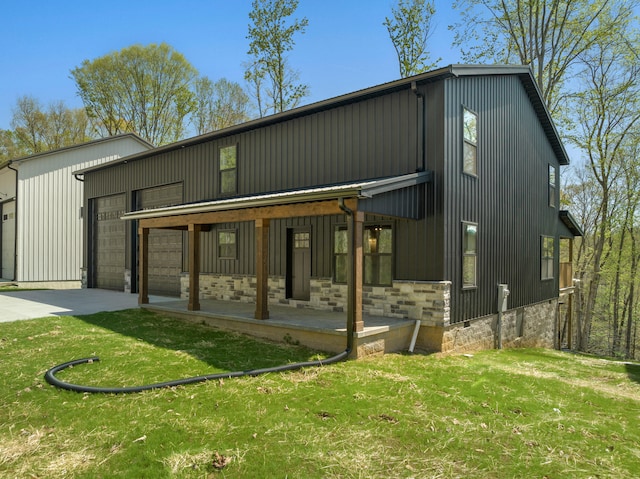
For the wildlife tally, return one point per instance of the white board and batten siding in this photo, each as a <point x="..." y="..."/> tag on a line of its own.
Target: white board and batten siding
<point x="50" y="217"/>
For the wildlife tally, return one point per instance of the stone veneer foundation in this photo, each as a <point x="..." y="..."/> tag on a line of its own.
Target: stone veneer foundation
<point x="529" y="326"/>
<point x="427" y="301"/>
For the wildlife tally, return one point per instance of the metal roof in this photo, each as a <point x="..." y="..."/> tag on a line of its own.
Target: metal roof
<point x="569" y="221"/>
<point x="82" y="145"/>
<point x="524" y="73"/>
<point x="361" y="189"/>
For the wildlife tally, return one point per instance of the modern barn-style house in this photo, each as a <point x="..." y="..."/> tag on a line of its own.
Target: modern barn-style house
<point x="422" y="199"/>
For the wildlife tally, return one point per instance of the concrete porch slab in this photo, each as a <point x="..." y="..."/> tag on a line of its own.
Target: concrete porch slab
<point x="322" y="330"/>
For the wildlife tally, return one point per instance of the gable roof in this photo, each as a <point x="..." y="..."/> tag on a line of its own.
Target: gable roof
<point x="78" y="146"/>
<point x="524" y="74"/>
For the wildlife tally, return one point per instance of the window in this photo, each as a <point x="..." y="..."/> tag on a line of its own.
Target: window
<point x="302" y="240"/>
<point x="469" y="255"/>
<point x="378" y="249"/>
<point x="470" y="146"/>
<point x="546" y="258"/>
<point x="552" y="186"/>
<point x="340" y="258"/>
<point x="227" y="244"/>
<point x="228" y="172"/>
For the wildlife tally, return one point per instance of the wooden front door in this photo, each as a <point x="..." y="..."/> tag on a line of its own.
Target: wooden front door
<point x="300" y="263"/>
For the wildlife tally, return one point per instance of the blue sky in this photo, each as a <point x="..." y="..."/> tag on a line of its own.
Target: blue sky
<point x="345" y="47"/>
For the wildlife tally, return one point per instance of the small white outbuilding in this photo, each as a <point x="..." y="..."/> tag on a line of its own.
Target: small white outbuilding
<point x="41" y="210"/>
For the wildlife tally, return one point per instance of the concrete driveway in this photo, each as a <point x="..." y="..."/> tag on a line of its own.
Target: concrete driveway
<point x="18" y="305"/>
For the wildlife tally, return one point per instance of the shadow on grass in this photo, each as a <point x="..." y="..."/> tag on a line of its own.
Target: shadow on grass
<point x="633" y="371"/>
<point x="222" y="350"/>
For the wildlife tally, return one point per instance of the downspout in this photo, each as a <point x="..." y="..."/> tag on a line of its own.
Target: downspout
<point x="422" y="166"/>
<point x="351" y="299"/>
<point x="84" y="280"/>
<point x="15" y="233"/>
<point x="420" y="140"/>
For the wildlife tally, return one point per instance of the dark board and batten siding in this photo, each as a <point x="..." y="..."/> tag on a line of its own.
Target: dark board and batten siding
<point x="371" y="138"/>
<point x="508" y="199"/>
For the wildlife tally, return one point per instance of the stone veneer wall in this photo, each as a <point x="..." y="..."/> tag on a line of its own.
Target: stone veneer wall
<point x="427" y="301"/>
<point x="529" y="326"/>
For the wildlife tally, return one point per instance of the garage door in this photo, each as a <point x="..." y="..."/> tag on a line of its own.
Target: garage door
<point x="8" y="233"/>
<point x="109" y="242"/>
<point x="165" y="246"/>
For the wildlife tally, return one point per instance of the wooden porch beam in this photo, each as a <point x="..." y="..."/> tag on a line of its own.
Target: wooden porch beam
<point x="143" y="281"/>
<point x="316" y="208"/>
<point x="194" y="268"/>
<point x="262" y="269"/>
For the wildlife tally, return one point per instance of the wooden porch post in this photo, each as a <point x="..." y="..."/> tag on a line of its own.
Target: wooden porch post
<point x="194" y="267"/>
<point x="143" y="286"/>
<point x="262" y="269"/>
<point x="358" y="270"/>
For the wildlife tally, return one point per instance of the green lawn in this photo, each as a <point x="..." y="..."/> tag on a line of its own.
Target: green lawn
<point x="495" y="414"/>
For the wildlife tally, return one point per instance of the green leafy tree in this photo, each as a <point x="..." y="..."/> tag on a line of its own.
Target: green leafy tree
<point x="219" y="105"/>
<point x="607" y="115"/>
<point x="142" y="89"/>
<point x="274" y="83"/>
<point x="36" y="129"/>
<point x="548" y="35"/>
<point x="409" y="29"/>
<point x="8" y="147"/>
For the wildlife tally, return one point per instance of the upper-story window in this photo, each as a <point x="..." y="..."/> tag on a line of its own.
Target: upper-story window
<point x="553" y="185"/>
<point x="469" y="255"/>
<point x="228" y="170"/>
<point x="470" y="146"/>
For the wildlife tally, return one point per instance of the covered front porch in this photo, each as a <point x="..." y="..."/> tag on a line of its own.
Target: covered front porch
<point x="394" y="197"/>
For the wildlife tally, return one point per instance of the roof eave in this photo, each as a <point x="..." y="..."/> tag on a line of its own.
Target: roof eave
<point x="362" y="190"/>
<point x="570" y="222"/>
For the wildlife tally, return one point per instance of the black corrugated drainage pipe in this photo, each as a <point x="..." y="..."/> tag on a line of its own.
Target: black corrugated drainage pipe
<point x="50" y="376"/>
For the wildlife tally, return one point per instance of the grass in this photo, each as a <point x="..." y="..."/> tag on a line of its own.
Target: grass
<point x="496" y="414"/>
